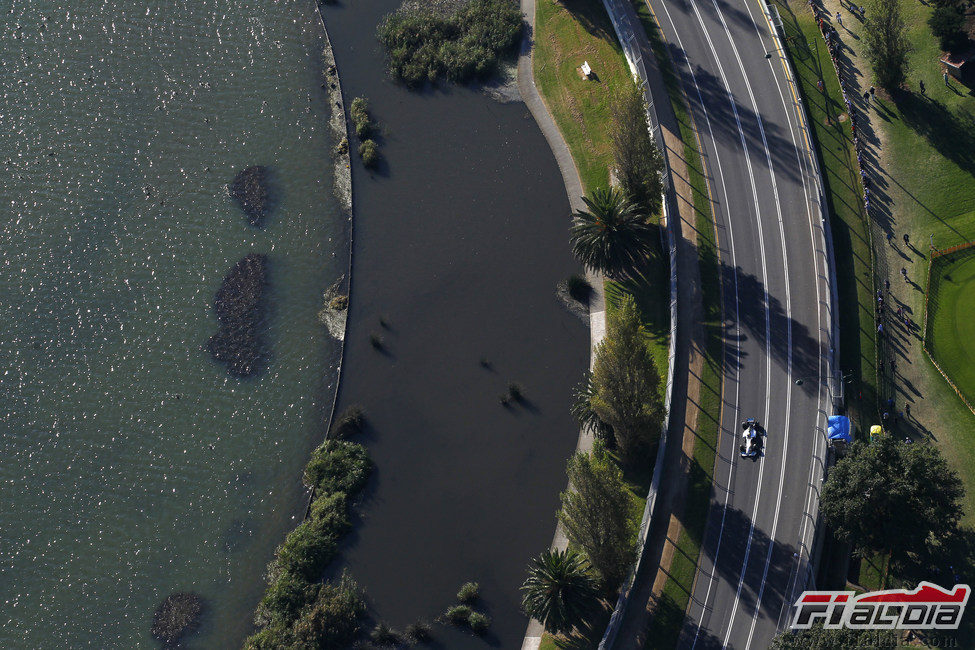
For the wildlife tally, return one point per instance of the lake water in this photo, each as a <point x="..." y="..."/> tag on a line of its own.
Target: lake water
<point x="132" y="465"/>
<point x="461" y="239"/>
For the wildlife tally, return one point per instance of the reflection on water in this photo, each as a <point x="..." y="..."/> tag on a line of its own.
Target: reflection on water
<point x="132" y="465"/>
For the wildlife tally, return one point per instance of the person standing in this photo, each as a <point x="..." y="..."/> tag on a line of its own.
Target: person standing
<point x="904" y="273"/>
<point x="839" y="19"/>
<point x="907" y="239"/>
<point x="920" y="85"/>
<point x="944" y="75"/>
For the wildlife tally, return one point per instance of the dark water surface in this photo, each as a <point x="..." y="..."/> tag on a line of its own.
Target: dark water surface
<point x="131" y="465"/>
<point x="460" y="242"/>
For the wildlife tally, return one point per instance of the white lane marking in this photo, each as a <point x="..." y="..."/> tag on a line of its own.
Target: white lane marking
<point x="768" y="356"/>
<point x="808" y="169"/>
<point x="768" y="337"/>
<point x="734" y="263"/>
<point x="788" y="316"/>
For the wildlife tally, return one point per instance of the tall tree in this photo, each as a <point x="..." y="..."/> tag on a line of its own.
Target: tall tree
<point x="612" y="235"/>
<point x="891" y="496"/>
<point x="638" y="163"/>
<point x="586" y="415"/>
<point x="560" y="591"/>
<point x="626" y="384"/>
<point x="885" y="35"/>
<point x="597" y="516"/>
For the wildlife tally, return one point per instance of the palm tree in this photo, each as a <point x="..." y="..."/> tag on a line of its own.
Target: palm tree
<point x="613" y="235"/>
<point x="561" y="590"/>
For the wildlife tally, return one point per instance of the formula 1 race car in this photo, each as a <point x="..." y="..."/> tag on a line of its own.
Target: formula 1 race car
<point x="753" y="440"/>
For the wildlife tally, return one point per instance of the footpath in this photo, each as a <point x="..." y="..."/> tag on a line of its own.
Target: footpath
<point x="573" y="188"/>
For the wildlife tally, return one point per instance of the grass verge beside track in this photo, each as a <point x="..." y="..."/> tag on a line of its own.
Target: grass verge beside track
<point x="841" y="178"/>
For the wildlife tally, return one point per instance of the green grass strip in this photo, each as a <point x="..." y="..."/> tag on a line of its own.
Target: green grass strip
<point x="852" y="250"/>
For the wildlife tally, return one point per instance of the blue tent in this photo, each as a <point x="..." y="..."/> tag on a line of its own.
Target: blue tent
<point x="838" y="428"/>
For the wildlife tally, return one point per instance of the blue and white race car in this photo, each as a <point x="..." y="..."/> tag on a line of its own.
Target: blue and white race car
<point x="753" y="439"/>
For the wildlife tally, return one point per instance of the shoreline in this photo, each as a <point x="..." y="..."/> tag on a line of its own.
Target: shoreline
<point x="342" y="189"/>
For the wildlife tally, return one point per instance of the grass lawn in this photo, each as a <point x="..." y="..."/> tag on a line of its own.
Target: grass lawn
<point x="851" y="238"/>
<point x="951" y="318"/>
<point x="566" y="34"/>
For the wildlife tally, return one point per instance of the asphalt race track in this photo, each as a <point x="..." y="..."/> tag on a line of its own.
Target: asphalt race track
<point x="777" y="319"/>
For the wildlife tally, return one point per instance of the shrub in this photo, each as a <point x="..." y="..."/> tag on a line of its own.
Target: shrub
<point x="176" y="616"/>
<point x="462" y="44"/>
<point x="479" y="623"/>
<point x="286" y="594"/>
<point x="384" y="635"/>
<point x="459" y="614"/>
<point x="342" y="147"/>
<point x="579" y="288"/>
<point x="339" y="303"/>
<point x="947" y="23"/>
<point x="469" y="592"/>
<point x="338" y="466"/>
<point x="359" y="111"/>
<point x="332" y="620"/>
<point x="349" y="422"/>
<point x="418" y="632"/>
<point x="307" y="549"/>
<point x="369" y="153"/>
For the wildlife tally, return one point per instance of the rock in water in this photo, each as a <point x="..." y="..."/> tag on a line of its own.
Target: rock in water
<point x="238" y="304"/>
<point x="251" y="189"/>
<point x="176" y="616"/>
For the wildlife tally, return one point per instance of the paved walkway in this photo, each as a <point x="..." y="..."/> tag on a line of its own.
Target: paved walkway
<point x="573" y="188"/>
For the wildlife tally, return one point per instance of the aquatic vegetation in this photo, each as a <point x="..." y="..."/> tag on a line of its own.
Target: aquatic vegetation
<point x="457" y="42"/>
<point x="338" y="466"/>
<point x="251" y="188"/>
<point x="384" y="636"/>
<point x="369" y="152"/>
<point x="239" y="308"/>
<point x="361" y="122"/>
<point x="418" y="632"/>
<point x="178" y="615"/>
<point x="479" y="623"/>
<point x="296" y="610"/>
<point x="469" y="592"/>
<point x="458" y="614"/>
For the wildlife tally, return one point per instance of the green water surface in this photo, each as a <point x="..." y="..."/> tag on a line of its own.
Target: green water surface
<point x="132" y="465"/>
